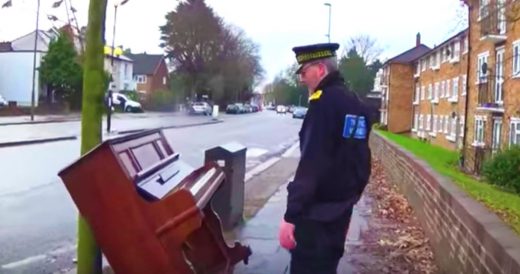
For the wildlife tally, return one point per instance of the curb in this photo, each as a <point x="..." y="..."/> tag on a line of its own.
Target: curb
<point x="38" y="141"/>
<point x="74" y="137"/>
<point x="39" y="122"/>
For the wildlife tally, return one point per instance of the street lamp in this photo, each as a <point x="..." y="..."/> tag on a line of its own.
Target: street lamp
<point x="114" y="30"/>
<point x="330" y="8"/>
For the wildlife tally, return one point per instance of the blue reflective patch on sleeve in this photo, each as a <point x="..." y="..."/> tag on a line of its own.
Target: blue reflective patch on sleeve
<point x="350" y="124"/>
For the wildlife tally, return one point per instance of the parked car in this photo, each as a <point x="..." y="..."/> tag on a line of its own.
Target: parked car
<point x="281" y="109"/>
<point x="299" y="112"/>
<point x="200" y="108"/>
<point x="125" y="103"/>
<point x="232" y="109"/>
<point x="3" y="102"/>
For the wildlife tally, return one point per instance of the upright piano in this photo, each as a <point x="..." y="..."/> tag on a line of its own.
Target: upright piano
<point x="150" y="211"/>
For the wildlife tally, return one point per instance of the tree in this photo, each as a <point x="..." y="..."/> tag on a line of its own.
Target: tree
<point x="94" y="85"/>
<point x="61" y="72"/>
<point x="366" y="46"/>
<point x="191" y="38"/>
<point x="356" y="73"/>
<point x="210" y="56"/>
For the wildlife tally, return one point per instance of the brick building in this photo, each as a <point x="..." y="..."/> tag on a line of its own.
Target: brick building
<point x="494" y="80"/>
<point x="397" y="89"/>
<point x="440" y="93"/>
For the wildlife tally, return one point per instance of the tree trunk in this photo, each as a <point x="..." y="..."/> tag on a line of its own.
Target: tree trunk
<point x="89" y="255"/>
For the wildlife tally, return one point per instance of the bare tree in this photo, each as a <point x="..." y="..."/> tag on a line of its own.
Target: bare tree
<point x="367" y="47"/>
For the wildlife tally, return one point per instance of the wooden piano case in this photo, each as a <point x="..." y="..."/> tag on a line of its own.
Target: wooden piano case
<point x="149" y="211"/>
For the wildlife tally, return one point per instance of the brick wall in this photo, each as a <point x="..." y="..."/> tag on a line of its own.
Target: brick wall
<point x="466" y="237"/>
<point x="400" y="99"/>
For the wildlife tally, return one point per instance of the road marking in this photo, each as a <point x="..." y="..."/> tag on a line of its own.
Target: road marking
<point x="23" y="262"/>
<point x="291" y="150"/>
<point x="261" y="167"/>
<point x="255" y="152"/>
<point x="39" y="258"/>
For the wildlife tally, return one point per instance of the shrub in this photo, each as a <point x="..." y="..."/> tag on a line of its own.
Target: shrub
<point x="162" y="100"/>
<point x="504" y="169"/>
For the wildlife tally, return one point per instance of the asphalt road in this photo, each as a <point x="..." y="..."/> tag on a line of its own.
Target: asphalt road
<point x="38" y="218"/>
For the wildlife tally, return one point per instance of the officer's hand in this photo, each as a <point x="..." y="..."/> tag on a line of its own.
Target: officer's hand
<point x="286" y="235"/>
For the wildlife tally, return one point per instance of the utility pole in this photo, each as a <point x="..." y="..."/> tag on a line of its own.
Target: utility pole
<point x="36" y="34"/>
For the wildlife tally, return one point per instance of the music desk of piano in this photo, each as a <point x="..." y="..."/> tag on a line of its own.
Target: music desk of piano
<point x="150" y="212"/>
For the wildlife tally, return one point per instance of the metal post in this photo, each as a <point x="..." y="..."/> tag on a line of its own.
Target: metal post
<point x="34" y="60"/>
<point x="114" y="39"/>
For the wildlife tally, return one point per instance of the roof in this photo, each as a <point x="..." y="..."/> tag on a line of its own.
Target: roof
<point x="447" y="41"/>
<point x="410" y="55"/>
<point x="145" y="64"/>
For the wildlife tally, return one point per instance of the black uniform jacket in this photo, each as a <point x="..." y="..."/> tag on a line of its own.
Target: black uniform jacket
<point x="335" y="158"/>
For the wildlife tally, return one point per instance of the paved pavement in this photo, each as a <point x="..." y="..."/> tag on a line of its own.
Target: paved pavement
<point x="260" y="232"/>
<point x="15" y="131"/>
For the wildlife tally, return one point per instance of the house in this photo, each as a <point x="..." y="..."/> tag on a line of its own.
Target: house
<point x="150" y="73"/>
<point x="440" y="93"/>
<point x="121" y="68"/>
<point x="397" y="88"/>
<point x="493" y="118"/>
<point x="16" y="66"/>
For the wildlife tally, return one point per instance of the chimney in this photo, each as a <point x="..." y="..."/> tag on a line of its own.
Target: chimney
<point x="418" y="39"/>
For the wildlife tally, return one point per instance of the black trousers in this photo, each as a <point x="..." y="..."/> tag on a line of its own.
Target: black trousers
<point x="319" y="245"/>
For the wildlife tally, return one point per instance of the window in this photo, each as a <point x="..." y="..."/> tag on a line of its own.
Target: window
<point x="423" y="92"/>
<point x="455" y="90"/>
<point x="453" y="127"/>
<point x="435" y="121"/>
<point x="415" y="122"/>
<point x="483" y="9"/>
<point x="463" y="88"/>
<point x="479" y="131"/>
<point x="164" y="80"/>
<point x="516" y="58"/>
<point x="141" y="79"/>
<point x="514" y="138"/>
<point x="482" y="59"/>
<point x="443" y="88"/>
<point x="461" y="124"/>
<point x="430" y="91"/>
<point x="447" y="95"/>
<point x="416" y="95"/>
<point x="420" y="121"/>
<point x="436" y="93"/>
<point x="446" y="124"/>
<point x="441" y="124"/>
<point x="428" y="122"/>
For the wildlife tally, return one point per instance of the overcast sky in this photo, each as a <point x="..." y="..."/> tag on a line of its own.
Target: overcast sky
<point x="276" y="25"/>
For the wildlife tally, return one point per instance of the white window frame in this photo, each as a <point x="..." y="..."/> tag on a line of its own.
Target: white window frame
<point x="434" y="129"/>
<point x="514" y="131"/>
<point x="436" y="93"/>
<point x="461" y="124"/>
<point x="141" y="79"/>
<point x="415" y="122"/>
<point x="479" y="131"/>
<point x="428" y="122"/>
<point x="421" y="125"/>
<point x="416" y="95"/>
<point x="446" y="124"/>
<point x="430" y="92"/>
<point x="454" y="93"/>
<point x="516" y="59"/>
<point x="482" y="58"/>
<point x="464" y="79"/>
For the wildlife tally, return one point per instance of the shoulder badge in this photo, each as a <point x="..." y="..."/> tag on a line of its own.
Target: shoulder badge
<point x="316" y="95"/>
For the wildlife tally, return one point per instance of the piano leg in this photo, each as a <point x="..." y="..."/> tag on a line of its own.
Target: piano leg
<point x="208" y="251"/>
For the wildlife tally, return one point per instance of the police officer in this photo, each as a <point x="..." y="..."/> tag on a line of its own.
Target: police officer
<point x="334" y="166"/>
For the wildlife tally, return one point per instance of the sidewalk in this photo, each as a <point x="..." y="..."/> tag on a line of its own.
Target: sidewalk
<point x="76" y="116"/>
<point x="22" y="133"/>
